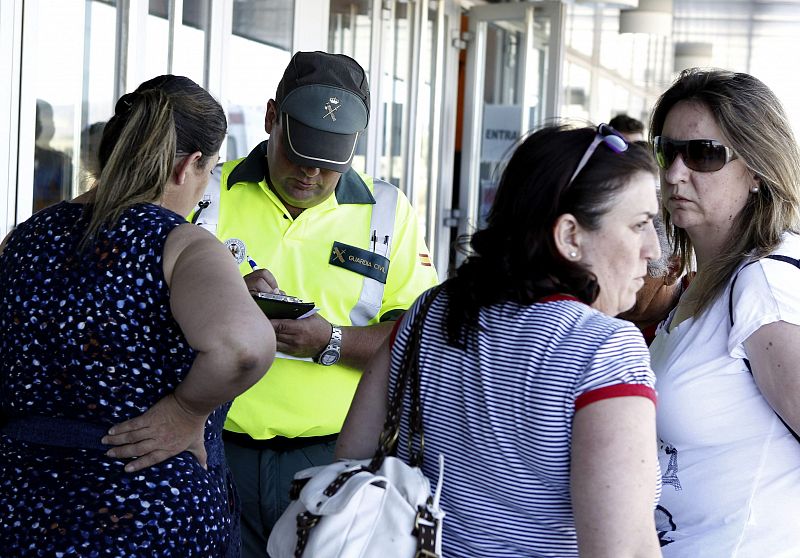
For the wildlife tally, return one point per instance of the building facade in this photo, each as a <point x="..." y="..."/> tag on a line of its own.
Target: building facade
<point x="455" y="83"/>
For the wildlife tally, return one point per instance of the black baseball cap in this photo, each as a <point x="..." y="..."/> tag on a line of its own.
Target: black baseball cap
<point x="323" y="101"/>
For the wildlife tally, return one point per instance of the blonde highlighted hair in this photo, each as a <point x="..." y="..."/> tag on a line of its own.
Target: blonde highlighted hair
<point x="164" y="118"/>
<point x="756" y="126"/>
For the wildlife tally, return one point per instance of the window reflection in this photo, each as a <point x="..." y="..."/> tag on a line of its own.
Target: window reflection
<point x="577" y="92"/>
<point x="98" y="64"/>
<point x="350" y="33"/>
<point x="90" y="157"/>
<point x="423" y="146"/>
<point x="52" y="169"/>
<point x="73" y="80"/>
<point x="503" y="105"/>
<point x="190" y="39"/>
<point x="58" y="91"/>
<point x="579" y="29"/>
<point x="157" y="33"/>
<point x="260" y="47"/>
<point x="259" y="50"/>
<point x="268" y="22"/>
<point x="394" y="92"/>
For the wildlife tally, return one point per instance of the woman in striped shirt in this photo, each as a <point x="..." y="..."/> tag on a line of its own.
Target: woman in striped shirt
<point x="540" y="400"/>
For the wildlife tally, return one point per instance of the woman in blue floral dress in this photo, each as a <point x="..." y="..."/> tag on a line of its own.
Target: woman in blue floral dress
<point x="113" y="388"/>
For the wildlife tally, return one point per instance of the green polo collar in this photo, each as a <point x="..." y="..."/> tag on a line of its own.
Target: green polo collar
<point x="351" y="188"/>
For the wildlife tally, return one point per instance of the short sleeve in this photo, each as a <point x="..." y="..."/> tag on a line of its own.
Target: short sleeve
<point x="620" y="367"/>
<point x="764" y="292"/>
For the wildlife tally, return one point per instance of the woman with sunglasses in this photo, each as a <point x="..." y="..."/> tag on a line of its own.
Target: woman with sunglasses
<point x="727" y="357"/>
<point x="541" y="402"/>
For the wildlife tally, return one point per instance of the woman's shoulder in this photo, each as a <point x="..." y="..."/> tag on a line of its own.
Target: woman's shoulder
<point x="587" y="326"/>
<point x="60" y="210"/>
<point x="616" y="354"/>
<point x="591" y="318"/>
<point x="48" y="219"/>
<point x="146" y="222"/>
<point x="153" y="212"/>
<point x="766" y="288"/>
<point x="616" y="332"/>
<point x="782" y="264"/>
<point x="789" y="246"/>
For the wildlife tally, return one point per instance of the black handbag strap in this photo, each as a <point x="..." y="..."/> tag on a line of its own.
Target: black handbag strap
<point x="780" y="258"/>
<point x="785" y="259"/>
<point x="407" y="378"/>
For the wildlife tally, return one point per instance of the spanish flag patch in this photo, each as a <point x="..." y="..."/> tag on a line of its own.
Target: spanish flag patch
<point x="425" y="260"/>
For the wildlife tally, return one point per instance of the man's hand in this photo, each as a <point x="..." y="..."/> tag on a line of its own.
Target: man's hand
<point x="302" y="338"/>
<point x="262" y="281"/>
<point x="163" y="431"/>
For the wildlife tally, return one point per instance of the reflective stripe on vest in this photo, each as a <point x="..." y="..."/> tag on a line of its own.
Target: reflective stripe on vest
<point x="382" y="222"/>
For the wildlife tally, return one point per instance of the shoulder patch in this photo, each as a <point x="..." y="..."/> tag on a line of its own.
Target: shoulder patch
<point x="237" y="249"/>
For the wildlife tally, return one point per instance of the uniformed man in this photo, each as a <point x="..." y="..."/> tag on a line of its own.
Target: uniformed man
<point x="314" y="228"/>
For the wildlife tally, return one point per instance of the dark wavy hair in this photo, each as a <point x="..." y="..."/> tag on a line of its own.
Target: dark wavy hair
<point x="514" y="258"/>
<point x="626" y="124"/>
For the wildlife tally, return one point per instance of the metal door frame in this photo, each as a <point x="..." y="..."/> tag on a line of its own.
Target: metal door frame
<point x="479" y="19"/>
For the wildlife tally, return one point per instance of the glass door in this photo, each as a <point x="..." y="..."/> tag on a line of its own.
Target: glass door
<point x="513" y="80"/>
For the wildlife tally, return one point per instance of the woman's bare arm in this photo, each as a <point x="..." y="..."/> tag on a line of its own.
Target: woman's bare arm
<point x="234" y="341"/>
<point x="613" y="478"/>
<point x="364" y="423"/>
<point x="774" y="354"/>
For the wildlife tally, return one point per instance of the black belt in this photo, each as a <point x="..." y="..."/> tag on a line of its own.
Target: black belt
<point x="57" y="431"/>
<point x="278" y="443"/>
<point x="70" y="433"/>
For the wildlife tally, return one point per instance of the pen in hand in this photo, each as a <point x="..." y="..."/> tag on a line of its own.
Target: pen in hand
<point x="254" y="267"/>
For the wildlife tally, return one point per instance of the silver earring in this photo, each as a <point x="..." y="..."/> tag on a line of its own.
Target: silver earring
<point x="573" y="254"/>
<point x="754" y="190"/>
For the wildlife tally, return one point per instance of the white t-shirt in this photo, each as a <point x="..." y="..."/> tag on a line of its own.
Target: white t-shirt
<point x="730" y="468"/>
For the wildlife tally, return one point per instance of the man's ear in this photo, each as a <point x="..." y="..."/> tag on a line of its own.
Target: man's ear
<point x="567" y="237"/>
<point x="185" y="165"/>
<point x="271" y="117"/>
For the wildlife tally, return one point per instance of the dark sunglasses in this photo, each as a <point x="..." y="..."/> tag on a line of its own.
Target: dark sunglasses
<point x="607" y="135"/>
<point x="701" y="155"/>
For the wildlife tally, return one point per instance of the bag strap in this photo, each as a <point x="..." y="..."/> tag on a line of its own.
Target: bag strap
<point x="408" y="377"/>
<point x="427" y="526"/>
<point x="780" y="258"/>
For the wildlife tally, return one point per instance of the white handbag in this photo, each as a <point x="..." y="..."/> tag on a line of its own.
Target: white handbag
<point x="387" y="513"/>
<point x="381" y="507"/>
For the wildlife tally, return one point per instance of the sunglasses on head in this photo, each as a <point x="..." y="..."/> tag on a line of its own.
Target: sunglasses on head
<point x="607" y="135"/>
<point x="701" y="155"/>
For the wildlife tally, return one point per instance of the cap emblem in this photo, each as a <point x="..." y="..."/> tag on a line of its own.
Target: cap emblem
<point x="331" y="107"/>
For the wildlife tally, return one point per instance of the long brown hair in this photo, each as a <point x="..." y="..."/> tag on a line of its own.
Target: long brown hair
<point x="165" y="117"/>
<point x="755" y="124"/>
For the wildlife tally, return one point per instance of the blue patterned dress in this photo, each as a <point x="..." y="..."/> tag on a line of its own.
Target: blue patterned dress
<point x="88" y="340"/>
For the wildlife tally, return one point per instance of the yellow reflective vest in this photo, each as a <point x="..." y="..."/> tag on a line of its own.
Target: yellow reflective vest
<point x="359" y="256"/>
